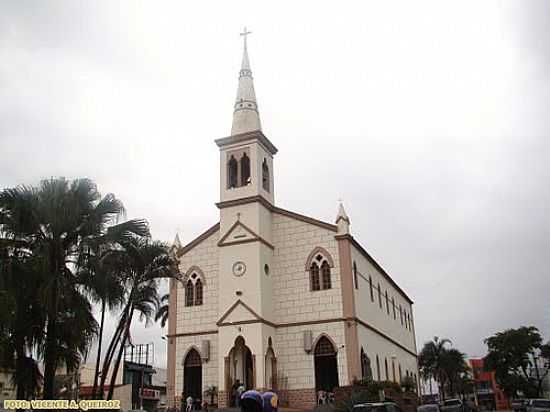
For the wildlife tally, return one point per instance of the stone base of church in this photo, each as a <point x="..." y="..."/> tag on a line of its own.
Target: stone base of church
<point x="298" y="398"/>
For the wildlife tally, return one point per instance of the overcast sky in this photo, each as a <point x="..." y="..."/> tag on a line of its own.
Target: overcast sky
<point x="430" y="120"/>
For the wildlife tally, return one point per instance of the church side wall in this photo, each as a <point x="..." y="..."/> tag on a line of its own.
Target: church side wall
<point x="373" y="344"/>
<point x="293" y="300"/>
<point x="370" y="311"/>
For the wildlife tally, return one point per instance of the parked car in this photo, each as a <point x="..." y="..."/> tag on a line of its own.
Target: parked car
<point x="538" y="405"/>
<point x="451" y="405"/>
<point x="376" y="407"/>
<point x="430" y="407"/>
<point x="519" y="405"/>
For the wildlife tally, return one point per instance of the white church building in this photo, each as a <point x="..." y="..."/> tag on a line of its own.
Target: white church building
<point x="275" y="299"/>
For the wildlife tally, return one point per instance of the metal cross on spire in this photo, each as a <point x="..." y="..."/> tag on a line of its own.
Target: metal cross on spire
<point x="244" y="34"/>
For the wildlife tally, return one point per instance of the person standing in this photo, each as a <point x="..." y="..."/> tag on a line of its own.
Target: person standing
<point x="240" y="390"/>
<point x="189" y="404"/>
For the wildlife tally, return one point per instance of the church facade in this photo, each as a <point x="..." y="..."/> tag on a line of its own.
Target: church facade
<point x="275" y="299"/>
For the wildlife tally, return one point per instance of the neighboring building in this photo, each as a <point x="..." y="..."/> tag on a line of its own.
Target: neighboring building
<point x="275" y="299"/>
<point x="7" y="390"/>
<point x="488" y="394"/>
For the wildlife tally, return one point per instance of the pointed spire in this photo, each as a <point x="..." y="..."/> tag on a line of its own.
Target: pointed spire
<point x="245" y="114"/>
<point x="342" y="220"/>
<point x="177" y="241"/>
<point x="176" y="245"/>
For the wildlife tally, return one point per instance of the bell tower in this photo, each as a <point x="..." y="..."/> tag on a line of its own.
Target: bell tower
<point x="245" y="245"/>
<point x="246" y="156"/>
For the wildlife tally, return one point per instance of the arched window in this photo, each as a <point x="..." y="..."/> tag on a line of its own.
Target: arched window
<point x="325" y="271"/>
<point x="400" y="373"/>
<point x="245" y="170"/>
<point x="232" y="170"/>
<point x="314" y="277"/>
<point x="194" y="288"/>
<point x="355" y="278"/>
<point x="393" y="370"/>
<point x="387" y="303"/>
<point x="393" y="305"/>
<point x="401" y="314"/>
<point x="265" y="176"/>
<point x="319" y="269"/>
<point x="366" y="370"/>
<point x="386" y="368"/>
<point x="371" y="289"/>
<point x="189" y="293"/>
<point x="198" y="292"/>
<point x="379" y="296"/>
<point x="378" y="368"/>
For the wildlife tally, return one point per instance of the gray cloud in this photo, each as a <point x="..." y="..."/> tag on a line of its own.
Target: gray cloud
<point x="430" y="121"/>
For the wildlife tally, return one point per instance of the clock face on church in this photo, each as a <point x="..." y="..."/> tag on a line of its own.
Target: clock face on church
<point x="239" y="268"/>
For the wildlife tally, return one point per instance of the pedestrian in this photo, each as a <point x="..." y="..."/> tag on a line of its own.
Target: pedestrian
<point x="270" y="401"/>
<point x="234" y="401"/>
<point x="189" y="404"/>
<point x="240" y="390"/>
<point x="251" y="401"/>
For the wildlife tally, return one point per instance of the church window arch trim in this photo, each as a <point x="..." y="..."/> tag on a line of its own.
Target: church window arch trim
<point x="326" y="336"/>
<point x="189" y="351"/>
<point x="194" y="286"/>
<point x="318" y="265"/>
<point x="319" y="251"/>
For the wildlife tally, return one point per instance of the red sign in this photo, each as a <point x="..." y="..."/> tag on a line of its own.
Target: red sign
<point x="150" y="394"/>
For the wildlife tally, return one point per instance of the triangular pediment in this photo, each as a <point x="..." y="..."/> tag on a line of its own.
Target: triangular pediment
<point x="239" y="312"/>
<point x="238" y="233"/>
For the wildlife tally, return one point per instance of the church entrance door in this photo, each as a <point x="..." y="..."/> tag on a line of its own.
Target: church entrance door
<point x="241" y="365"/>
<point x="192" y="375"/>
<point x="326" y="365"/>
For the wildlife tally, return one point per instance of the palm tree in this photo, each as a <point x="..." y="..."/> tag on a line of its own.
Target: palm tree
<point x="21" y="320"/>
<point x="429" y="361"/>
<point x="162" y="313"/>
<point x="104" y="285"/>
<point x="453" y="365"/>
<point x="142" y="263"/>
<point x="53" y="222"/>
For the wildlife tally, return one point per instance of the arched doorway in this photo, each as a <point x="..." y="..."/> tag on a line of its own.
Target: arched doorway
<point x="192" y="375"/>
<point x="326" y="365"/>
<point x="241" y="364"/>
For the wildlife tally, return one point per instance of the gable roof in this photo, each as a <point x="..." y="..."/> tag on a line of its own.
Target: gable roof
<point x="278" y="210"/>
<point x="241" y="234"/>
<point x="247" y="309"/>
<point x="205" y="235"/>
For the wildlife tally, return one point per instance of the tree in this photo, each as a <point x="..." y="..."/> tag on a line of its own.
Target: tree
<point x="453" y="365"/>
<point x="430" y="362"/>
<point x="22" y="320"/>
<point x="520" y="360"/>
<point x="142" y="263"/>
<point x="162" y="313"/>
<point x="52" y="224"/>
